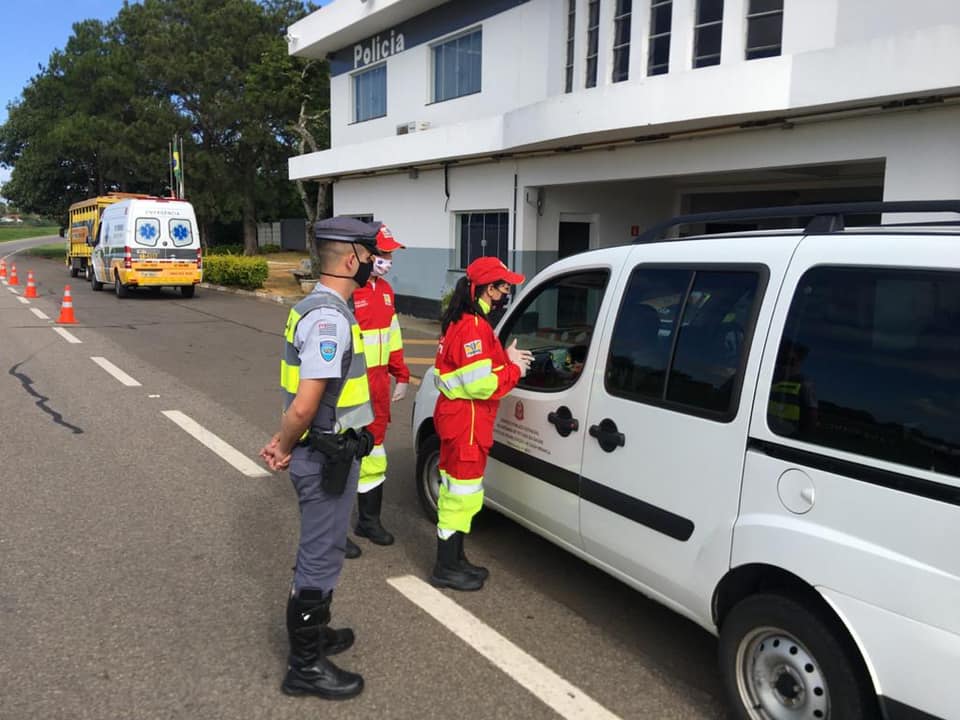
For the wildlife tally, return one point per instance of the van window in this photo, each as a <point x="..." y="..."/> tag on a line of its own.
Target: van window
<point x="868" y="363"/>
<point x="147" y="231"/>
<point x="556" y="323"/>
<point x="181" y="231"/>
<point x="681" y="336"/>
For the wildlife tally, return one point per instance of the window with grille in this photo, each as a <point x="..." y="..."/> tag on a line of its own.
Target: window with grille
<point x="481" y="234"/>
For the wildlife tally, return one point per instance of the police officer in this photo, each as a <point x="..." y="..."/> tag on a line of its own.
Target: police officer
<point x="321" y="439"/>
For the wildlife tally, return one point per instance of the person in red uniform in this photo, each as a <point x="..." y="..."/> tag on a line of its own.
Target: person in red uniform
<point x="473" y="371"/>
<point x="375" y="310"/>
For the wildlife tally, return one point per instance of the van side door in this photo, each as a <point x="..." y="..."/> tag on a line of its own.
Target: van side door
<point x="539" y="433"/>
<point x="667" y="423"/>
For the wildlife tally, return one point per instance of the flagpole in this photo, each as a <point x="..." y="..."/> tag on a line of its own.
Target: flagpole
<point x="170" y="166"/>
<point x="183" y="186"/>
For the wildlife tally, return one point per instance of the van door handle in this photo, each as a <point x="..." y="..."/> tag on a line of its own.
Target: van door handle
<point x="563" y="420"/>
<point x="607" y="435"/>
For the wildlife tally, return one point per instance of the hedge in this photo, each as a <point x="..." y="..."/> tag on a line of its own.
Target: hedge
<point x="245" y="272"/>
<point x="238" y="250"/>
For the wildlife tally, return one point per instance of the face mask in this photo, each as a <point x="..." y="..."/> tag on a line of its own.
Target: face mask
<point x="381" y="266"/>
<point x="363" y="270"/>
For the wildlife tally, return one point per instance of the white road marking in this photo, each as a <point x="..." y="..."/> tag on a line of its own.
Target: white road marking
<point x="564" y="698"/>
<point x="115" y="371"/>
<point x="153" y="396"/>
<point x="67" y="335"/>
<point x="40" y="314"/>
<point x="23" y="300"/>
<point x="240" y="461"/>
<point x="13" y="290"/>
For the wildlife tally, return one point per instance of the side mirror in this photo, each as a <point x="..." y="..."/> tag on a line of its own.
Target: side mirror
<point x="63" y="231"/>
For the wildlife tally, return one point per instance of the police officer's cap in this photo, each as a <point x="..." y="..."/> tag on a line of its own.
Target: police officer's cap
<point x="347" y="229"/>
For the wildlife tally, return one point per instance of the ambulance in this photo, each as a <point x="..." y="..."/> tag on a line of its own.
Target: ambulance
<point x="146" y="243"/>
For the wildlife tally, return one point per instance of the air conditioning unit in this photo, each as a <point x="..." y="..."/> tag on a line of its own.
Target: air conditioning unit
<point x="412" y="127"/>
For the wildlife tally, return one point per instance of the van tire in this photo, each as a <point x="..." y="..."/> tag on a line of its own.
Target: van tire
<point x="806" y="658"/>
<point x="94" y="283"/>
<point x="188" y="291"/>
<point x="428" y="457"/>
<point x="118" y="287"/>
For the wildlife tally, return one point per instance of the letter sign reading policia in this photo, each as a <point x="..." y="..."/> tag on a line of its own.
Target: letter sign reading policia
<point x="322" y="438"/>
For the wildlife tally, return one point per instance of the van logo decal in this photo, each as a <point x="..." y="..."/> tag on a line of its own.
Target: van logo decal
<point x="180" y="231"/>
<point x="148" y="232"/>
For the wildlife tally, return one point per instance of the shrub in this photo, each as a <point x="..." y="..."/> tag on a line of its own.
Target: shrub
<point x="225" y="250"/>
<point x="270" y="249"/>
<point x="245" y="272"/>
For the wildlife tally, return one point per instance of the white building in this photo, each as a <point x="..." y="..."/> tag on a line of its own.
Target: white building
<point x="533" y="129"/>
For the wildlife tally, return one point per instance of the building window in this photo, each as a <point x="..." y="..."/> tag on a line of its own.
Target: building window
<point x="456" y="67"/>
<point x="483" y="233"/>
<point x="621" y="40"/>
<point x="571" y="30"/>
<point x="661" y="15"/>
<point x="593" y="40"/>
<point x="707" y="33"/>
<point x="764" y="28"/>
<point x="868" y="365"/>
<point x="370" y="94"/>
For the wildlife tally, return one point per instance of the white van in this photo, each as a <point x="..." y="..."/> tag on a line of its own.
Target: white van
<point x="762" y="432"/>
<point x="147" y="242"/>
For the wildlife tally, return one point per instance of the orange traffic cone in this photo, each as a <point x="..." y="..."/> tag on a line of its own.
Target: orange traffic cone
<point x="3" y="269"/>
<point x="66" y="308"/>
<point x="31" y="286"/>
<point x="14" y="280"/>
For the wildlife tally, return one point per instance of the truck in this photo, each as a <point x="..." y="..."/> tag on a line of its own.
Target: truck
<point x="82" y="226"/>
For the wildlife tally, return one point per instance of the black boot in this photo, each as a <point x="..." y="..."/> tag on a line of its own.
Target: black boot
<point x="309" y="672"/>
<point x="447" y="572"/>
<point x="477" y="571"/>
<point x="352" y="550"/>
<point x="368" y="514"/>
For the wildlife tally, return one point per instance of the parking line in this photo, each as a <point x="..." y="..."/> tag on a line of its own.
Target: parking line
<point x="240" y="461"/>
<point x="40" y="313"/>
<point x="67" y="335"/>
<point x="115" y="371"/>
<point x="565" y="699"/>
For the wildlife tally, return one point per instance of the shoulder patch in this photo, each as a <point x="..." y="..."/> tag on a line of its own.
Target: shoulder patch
<point x="386" y="300"/>
<point x="473" y="348"/>
<point x="328" y="349"/>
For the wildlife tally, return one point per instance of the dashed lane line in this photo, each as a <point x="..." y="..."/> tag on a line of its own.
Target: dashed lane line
<point x="67" y="335"/>
<point x="40" y="313"/>
<point x="119" y="374"/>
<point x="232" y="456"/>
<point x="23" y="300"/>
<point x="564" y="698"/>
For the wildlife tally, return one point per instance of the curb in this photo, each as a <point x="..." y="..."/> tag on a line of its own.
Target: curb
<point x="259" y="294"/>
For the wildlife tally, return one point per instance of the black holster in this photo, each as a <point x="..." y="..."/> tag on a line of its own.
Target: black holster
<point x="340" y="450"/>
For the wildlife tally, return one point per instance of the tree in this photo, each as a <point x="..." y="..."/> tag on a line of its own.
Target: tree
<point x="82" y="128"/>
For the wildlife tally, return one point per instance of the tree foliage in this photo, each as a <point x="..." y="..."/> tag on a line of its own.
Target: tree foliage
<point x="100" y="115"/>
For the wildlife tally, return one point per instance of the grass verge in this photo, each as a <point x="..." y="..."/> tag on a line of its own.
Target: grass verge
<point x="51" y="252"/>
<point x="22" y="233"/>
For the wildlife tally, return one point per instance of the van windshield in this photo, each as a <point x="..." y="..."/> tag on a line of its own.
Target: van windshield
<point x="181" y="231"/>
<point x="147" y="231"/>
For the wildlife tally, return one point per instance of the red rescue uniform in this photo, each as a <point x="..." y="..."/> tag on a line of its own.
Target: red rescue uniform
<point x="472" y="373"/>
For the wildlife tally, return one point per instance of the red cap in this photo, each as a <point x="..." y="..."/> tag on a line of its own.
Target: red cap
<point x="488" y="269"/>
<point x="385" y="241"/>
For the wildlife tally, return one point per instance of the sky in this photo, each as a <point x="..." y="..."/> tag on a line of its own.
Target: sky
<point x="33" y="30"/>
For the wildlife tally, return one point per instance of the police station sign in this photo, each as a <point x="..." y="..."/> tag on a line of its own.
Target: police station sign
<point x="377" y="48"/>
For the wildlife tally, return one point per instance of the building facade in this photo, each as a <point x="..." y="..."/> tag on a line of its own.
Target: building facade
<point x="534" y="129"/>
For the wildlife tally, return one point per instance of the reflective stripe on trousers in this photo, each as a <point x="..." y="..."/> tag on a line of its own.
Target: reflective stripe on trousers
<point x="460" y="499"/>
<point x="373" y="469"/>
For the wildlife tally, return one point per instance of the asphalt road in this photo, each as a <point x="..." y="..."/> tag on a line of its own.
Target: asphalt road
<point x="143" y="576"/>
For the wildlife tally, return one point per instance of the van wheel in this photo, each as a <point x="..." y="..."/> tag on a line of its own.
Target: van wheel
<point x="121" y="289"/>
<point x="188" y="291"/>
<point x="428" y="476"/>
<point x="92" y="276"/>
<point x="781" y="661"/>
